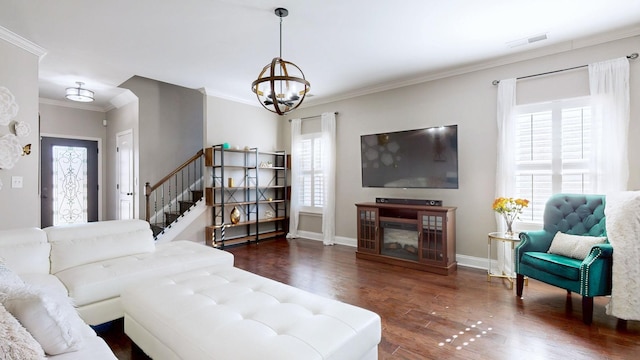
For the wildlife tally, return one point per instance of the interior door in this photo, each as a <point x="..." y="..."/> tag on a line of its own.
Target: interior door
<point x="124" y="166"/>
<point x="69" y="181"/>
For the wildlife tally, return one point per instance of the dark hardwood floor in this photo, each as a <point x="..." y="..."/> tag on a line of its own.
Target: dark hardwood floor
<point x="428" y="316"/>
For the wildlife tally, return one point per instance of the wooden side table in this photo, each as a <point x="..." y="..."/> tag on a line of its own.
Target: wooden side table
<point x="513" y="239"/>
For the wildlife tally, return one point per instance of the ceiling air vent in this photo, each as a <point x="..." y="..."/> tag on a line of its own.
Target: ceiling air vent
<point x="527" y="41"/>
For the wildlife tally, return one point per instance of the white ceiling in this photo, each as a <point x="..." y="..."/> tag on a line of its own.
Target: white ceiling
<point x="344" y="47"/>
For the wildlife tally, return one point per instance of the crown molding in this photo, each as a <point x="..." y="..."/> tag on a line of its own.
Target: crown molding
<point x="22" y="43"/>
<point x="121" y="100"/>
<point x="70" y="104"/>
<point x="209" y="92"/>
<point x="501" y="61"/>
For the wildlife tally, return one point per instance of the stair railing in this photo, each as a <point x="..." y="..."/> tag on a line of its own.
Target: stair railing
<point x="175" y="193"/>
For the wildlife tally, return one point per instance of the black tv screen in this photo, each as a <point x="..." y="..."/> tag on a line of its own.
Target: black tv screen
<point x="421" y="158"/>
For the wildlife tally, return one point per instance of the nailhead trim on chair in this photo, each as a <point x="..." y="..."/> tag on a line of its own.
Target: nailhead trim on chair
<point x="584" y="286"/>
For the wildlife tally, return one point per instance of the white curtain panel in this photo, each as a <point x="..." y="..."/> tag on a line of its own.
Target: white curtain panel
<point x="609" y="87"/>
<point x="296" y="178"/>
<point x="329" y="171"/>
<point x="505" y="167"/>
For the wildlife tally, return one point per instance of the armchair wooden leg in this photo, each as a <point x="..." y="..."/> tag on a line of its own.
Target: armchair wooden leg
<point x="519" y="284"/>
<point x="587" y="309"/>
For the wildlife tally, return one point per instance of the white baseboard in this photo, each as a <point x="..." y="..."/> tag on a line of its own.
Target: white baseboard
<point x="463" y="260"/>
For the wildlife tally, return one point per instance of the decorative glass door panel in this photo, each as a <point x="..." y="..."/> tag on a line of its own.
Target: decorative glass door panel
<point x="432" y="236"/>
<point x="69" y="181"/>
<point x="69" y="185"/>
<point x="368" y="230"/>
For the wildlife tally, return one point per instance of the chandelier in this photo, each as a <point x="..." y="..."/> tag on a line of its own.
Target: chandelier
<point x="281" y="85"/>
<point x="79" y="94"/>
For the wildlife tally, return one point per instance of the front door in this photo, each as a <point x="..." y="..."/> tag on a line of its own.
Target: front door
<point x="69" y="181"/>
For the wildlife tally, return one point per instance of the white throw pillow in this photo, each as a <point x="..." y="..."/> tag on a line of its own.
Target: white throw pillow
<point x="49" y="317"/>
<point x="8" y="279"/>
<point x="574" y="246"/>
<point x="15" y="340"/>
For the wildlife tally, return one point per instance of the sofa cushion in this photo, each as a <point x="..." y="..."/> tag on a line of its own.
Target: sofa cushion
<point x="80" y="244"/>
<point x="107" y="279"/>
<point x="15" y="341"/>
<point x="49" y="317"/>
<point x="25" y="250"/>
<point x="46" y="282"/>
<point x="559" y="265"/>
<point x="236" y="314"/>
<point x="574" y="246"/>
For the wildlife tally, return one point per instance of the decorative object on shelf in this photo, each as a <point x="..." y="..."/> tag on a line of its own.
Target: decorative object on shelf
<point x="79" y="93"/>
<point x="269" y="214"/>
<point x="10" y="151"/>
<point x="510" y="209"/>
<point x="234" y="216"/>
<point x="266" y="164"/>
<point x="230" y="182"/>
<point x="281" y="85"/>
<point x="8" y="106"/>
<point x="26" y="150"/>
<point x="21" y="129"/>
<point x="213" y="234"/>
<point x="226" y="146"/>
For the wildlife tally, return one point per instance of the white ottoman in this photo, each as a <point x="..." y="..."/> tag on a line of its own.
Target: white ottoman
<point x="228" y="313"/>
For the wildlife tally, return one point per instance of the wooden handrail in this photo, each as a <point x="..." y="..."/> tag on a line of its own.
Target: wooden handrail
<point x="149" y="188"/>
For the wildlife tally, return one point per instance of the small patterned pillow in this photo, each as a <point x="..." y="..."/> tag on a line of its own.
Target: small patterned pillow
<point x="15" y="340"/>
<point x="574" y="246"/>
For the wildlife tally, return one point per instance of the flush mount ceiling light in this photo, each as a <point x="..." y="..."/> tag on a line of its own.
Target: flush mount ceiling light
<point x="79" y="94"/>
<point x="281" y="85"/>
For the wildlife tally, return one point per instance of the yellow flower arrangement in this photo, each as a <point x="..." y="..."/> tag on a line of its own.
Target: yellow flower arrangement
<point x="510" y="209"/>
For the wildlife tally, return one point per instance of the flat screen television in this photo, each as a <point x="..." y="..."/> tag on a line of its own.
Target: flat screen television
<point x="421" y="158"/>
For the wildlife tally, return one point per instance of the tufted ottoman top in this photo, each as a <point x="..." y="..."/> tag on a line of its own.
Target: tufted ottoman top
<point x="228" y="313"/>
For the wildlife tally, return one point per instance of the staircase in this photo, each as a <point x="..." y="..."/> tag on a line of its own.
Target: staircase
<point x="176" y="194"/>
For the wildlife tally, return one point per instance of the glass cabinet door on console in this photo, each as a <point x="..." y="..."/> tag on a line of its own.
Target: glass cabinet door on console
<point x="368" y="230"/>
<point x="432" y="237"/>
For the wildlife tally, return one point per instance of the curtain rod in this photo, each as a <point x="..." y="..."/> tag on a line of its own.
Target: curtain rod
<point x="313" y="117"/>
<point x="496" y="82"/>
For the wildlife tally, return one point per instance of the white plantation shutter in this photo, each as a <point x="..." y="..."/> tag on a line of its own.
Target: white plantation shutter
<point x="311" y="196"/>
<point x="553" y="149"/>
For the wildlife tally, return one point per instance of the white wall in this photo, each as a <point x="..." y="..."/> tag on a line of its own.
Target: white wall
<point x="19" y="73"/>
<point x="468" y="100"/>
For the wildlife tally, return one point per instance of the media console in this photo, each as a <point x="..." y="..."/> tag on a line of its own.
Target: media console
<point x="420" y="237"/>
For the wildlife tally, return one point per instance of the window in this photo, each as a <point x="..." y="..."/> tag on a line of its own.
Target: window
<point x="553" y="151"/>
<point x="312" y="192"/>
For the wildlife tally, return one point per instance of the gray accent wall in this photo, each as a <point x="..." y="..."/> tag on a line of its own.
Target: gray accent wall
<point x="170" y="125"/>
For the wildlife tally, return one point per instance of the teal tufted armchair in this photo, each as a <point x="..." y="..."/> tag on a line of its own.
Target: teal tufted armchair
<point x="574" y="214"/>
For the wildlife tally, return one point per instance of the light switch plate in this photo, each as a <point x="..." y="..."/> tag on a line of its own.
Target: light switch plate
<point x="16" y="182"/>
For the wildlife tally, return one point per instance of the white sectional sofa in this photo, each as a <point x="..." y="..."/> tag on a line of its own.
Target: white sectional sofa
<point x="93" y="263"/>
<point x="179" y="300"/>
